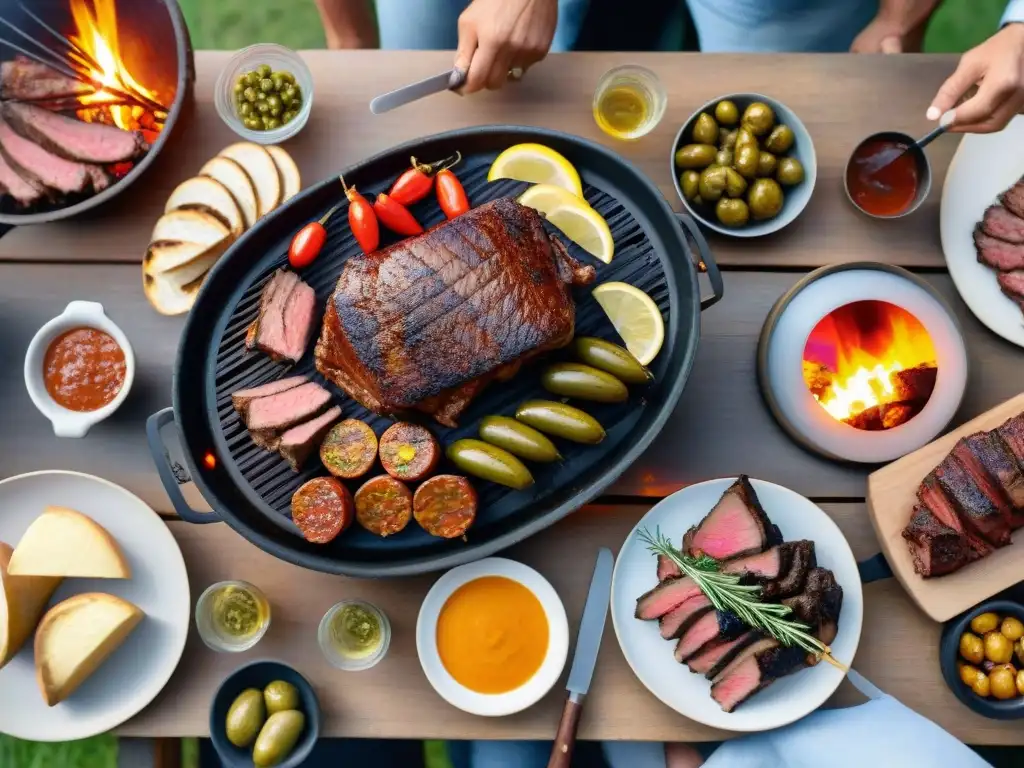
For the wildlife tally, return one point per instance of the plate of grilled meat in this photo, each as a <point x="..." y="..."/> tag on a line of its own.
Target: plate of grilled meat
<point x="738" y="603"/>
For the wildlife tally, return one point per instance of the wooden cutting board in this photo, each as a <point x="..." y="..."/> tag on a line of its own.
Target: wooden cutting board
<point x="892" y="492"/>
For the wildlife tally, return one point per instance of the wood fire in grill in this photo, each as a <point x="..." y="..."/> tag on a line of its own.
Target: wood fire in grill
<point x="870" y="364"/>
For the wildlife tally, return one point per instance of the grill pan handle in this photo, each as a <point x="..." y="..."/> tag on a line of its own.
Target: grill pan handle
<point x="158" y="448"/>
<point x="706" y="263"/>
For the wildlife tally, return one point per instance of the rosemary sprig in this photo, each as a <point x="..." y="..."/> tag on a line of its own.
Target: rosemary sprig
<point x="727" y="594"/>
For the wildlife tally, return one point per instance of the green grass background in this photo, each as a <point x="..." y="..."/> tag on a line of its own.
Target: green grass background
<point x="229" y="24"/>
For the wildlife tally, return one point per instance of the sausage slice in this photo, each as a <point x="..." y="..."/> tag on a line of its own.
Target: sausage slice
<point x="408" y="451"/>
<point x="383" y="505"/>
<point x="322" y="508"/>
<point x="349" y="449"/>
<point x="445" y="506"/>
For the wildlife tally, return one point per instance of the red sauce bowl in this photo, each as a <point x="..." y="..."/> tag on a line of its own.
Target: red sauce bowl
<point x="895" y="190"/>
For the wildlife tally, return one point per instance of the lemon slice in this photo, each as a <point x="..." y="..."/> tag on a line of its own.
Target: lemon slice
<point x="585" y="227"/>
<point x="546" y="197"/>
<point x="635" y="316"/>
<point x="538" y="164"/>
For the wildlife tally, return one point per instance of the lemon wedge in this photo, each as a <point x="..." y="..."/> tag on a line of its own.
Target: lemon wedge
<point x="585" y="227"/>
<point x="546" y="197"/>
<point x="635" y="316"/>
<point x="538" y="164"/>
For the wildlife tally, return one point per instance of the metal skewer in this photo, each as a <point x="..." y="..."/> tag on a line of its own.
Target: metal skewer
<point x="70" y="44"/>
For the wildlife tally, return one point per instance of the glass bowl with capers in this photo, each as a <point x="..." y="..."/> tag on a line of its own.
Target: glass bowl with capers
<point x="744" y="165"/>
<point x="265" y="93"/>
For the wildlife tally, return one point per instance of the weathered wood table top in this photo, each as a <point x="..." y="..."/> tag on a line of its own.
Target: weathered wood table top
<point x="720" y="427"/>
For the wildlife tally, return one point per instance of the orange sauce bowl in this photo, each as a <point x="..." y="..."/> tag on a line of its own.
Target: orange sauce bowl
<point x="492" y="637"/>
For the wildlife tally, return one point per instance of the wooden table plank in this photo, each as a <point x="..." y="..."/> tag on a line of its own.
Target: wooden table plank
<point x="898" y="650"/>
<point x="720" y="426"/>
<point x="841" y="99"/>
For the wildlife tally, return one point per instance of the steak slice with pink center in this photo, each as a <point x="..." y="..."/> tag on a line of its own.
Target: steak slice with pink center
<point x="241" y="399"/>
<point x="715" y="625"/>
<point x="977" y="511"/>
<point x="678" y="620"/>
<point x="299" y="442"/>
<point x="667" y="569"/>
<point x="754" y="671"/>
<point x="1013" y="199"/>
<point x="738" y="525"/>
<point x="984" y="453"/>
<point x="931" y="495"/>
<point x="1012" y="283"/>
<point x="997" y="253"/>
<point x="73" y="139"/>
<point x="665" y="597"/>
<point x="288" y="408"/>
<point x="713" y="658"/>
<point x="35" y="164"/>
<point x="1004" y="224"/>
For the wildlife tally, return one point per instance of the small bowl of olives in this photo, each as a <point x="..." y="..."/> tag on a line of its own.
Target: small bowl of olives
<point x="265" y="93"/>
<point x="264" y="714"/>
<point x="982" y="658"/>
<point x="744" y="165"/>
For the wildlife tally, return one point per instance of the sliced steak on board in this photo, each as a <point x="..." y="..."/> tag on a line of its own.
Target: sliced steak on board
<point x="1001" y="468"/>
<point x="931" y="495"/>
<point x="736" y="526"/>
<point x="72" y="139"/>
<point x="1004" y="224"/>
<point x="1012" y="434"/>
<point x="976" y="510"/>
<point x="976" y="457"/>
<point x="935" y="547"/>
<point x="997" y="253"/>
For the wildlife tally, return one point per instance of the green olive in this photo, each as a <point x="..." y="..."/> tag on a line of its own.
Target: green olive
<point x="765" y="199"/>
<point x="245" y="109"/>
<point x="239" y="88"/>
<point x="275" y="104"/>
<point x="287" y="117"/>
<point x="253" y="79"/>
<point x="278" y="738"/>
<point x="272" y="123"/>
<point x="759" y="118"/>
<point x="732" y="212"/>
<point x="705" y="130"/>
<point x="780" y="140"/>
<point x="712" y="183"/>
<point x="726" y="113"/>
<point x="725" y="157"/>
<point x="263" y="106"/>
<point x="746" y="161"/>
<point x="790" y="172"/>
<point x="744" y="138"/>
<point x="735" y="184"/>
<point x="245" y="718"/>
<point x="279" y="696"/>
<point x="251" y="94"/>
<point x="287" y="76"/>
<point x="584" y="383"/>
<point x="291" y="91"/>
<point x="696" y="156"/>
<point x="561" y="420"/>
<point x="688" y="181"/>
<point x="766" y="164"/>
<point x="488" y="462"/>
<point x="727" y="138"/>
<point x="518" y="439"/>
<point x="263" y="70"/>
<point x="279" y="81"/>
<point x="267" y="85"/>
<point x="254" y="123"/>
<point x="285" y="99"/>
<point x="616" y="360"/>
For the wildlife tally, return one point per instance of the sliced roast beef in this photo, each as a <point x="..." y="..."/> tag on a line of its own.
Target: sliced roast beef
<point x="976" y="510"/>
<point x="299" y="442"/>
<point x="801" y="560"/>
<point x="738" y="525"/>
<point x="762" y="567"/>
<point x="28" y="80"/>
<point x="997" y="253"/>
<point x="286" y="318"/>
<point x="931" y="495"/>
<point x="1012" y="283"/>
<point x="663" y="598"/>
<point x="674" y="623"/>
<point x="985" y="481"/>
<point x="35" y="164"/>
<point x="819" y="605"/>
<point x="985" y="453"/>
<point x="667" y="568"/>
<point x="1012" y="435"/>
<point x="288" y="408"/>
<point x="241" y="399"/>
<point x="1013" y="199"/>
<point x="712" y="626"/>
<point x="714" y="657"/>
<point x="23" y="191"/>
<point x="72" y="139"/>
<point x="1001" y="223"/>
<point x="755" y="669"/>
<point x="935" y="547"/>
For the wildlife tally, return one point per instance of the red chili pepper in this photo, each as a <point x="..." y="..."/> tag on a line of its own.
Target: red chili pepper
<point x="309" y="240"/>
<point x="396" y="216"/>
<point x="362" y="220"/>
<point x="451" y="195"/>
<point x="415" y="184"/>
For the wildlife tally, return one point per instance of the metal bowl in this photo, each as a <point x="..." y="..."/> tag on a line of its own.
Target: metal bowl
<point x="924" y="173"/>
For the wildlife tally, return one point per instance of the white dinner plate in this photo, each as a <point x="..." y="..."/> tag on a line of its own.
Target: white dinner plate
<point x="984" y="166"/>
<point x="689" y="694"/>
<point x="135" y="672"/>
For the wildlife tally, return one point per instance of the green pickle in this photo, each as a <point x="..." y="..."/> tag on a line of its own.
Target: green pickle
<point x="488" y="462"/>
<point x="616" y="360"/>
<point x="561" y="420"/>
<point x="518" y="439"/>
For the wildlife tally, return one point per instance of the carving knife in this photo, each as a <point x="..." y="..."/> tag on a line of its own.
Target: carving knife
<point x="588" y="642"/>
<point x="446" y="81"/>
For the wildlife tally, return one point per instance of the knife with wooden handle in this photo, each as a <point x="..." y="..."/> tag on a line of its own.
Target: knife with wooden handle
<point x="588" y="643"/>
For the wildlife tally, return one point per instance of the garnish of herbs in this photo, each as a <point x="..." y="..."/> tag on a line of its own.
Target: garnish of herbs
<point x="727" y="594"/>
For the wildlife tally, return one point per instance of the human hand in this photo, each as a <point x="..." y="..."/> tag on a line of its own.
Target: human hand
<point x="997" y="68"/>
<point x="496" y="36"/>
<point x="898" y="28"/>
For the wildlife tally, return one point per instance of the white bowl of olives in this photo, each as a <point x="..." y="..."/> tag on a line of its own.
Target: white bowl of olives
<point x="744" y="165"/>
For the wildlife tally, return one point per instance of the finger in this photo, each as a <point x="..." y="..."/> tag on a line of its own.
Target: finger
<point x="967" y="73"/>
<point x="999" y="119"/>
<point x="892" y="44"/>
<point x="467" y="46"/>
<point x="500" y="69"/>
<point x="992" y="97"/>
<point x="480" y="68"/>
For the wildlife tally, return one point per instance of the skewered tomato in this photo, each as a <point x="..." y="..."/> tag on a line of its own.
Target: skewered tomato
<point x="396" y="216"/>
<point x="362" y="220"/>
<point x="451" y="195"/>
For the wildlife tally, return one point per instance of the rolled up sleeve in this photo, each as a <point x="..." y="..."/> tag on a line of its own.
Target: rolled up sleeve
<point x="1014" y="12"/>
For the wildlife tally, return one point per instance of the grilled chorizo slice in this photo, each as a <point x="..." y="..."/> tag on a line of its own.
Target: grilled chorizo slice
<point x="322" y="508"/>
<point x="349" y="449"/>
<point x="408" y="451"/>
<point x="383" y="505"/>
<point x="445" y="506"/>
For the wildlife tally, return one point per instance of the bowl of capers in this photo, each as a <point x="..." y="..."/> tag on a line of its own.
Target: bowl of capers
<point x="265" y="93"/>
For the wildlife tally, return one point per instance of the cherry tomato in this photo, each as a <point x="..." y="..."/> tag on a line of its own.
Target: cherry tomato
<point x="396" y="216"/>
<point x="362" y="220"/>
<point x="415" y="184"/>
<point x="451" y="195"/>
<point x="309" y="241"/>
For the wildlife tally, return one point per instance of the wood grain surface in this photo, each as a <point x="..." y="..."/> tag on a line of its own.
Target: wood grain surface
<point x="892" y="493"/>
<point x="898" y="649"/>
<point x="840" y="97"/>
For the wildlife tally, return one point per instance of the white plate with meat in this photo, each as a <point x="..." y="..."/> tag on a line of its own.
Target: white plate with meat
<point x="776" y="538"/>
<point x="975" y="223"/>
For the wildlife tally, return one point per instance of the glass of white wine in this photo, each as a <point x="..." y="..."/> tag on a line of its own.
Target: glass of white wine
<point x="629" y="102"/>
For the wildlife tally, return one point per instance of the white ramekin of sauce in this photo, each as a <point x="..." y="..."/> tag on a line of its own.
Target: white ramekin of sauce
<point x="79" y="368"/>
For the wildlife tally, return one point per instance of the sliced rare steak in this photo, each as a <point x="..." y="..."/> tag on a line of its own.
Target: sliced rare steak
<point x="667" y="569"/>
<point x="1012" y="435"/>
<point x="1005" y="479"/>
<point x="975" y="509"/>
<point x="28" y="80"/>
<point x="997" y="253"/>
<point x="72" y="139"/>
<point x="241" y="399"/>
<point x="24" y="191"/>
<point x="664" y="597"/>
<point x="35" y="164"/>
<point x="755" y="669"/>
<point x="288" y="408"/>
<point x="712" y="626"/>
<point x="714" y="656"/>
<point x="819" y="605"/>
<point x="299" y="442"/>
<point x="285" y="322"/>
<point x="764" y="566"/>
<point x="935" y="547"/>
<point x="979" y="471"/>
<point x="738" y="525"/>
<point x="801" y="560"/>
<point x="1012" y="283"/>
<point x="1013" y="199"/>
<point x="1004" y="224"/>
<point x="674" y="623"/>
<point x="931" y="495"/>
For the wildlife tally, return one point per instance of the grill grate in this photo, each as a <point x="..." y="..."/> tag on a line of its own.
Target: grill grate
<point x="270" y="478"/>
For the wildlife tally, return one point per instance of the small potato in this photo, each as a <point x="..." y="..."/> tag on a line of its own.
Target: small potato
<point x="1002" y="684"/>
<point x="982" y="686"/>
<point x="971" y="648"/>
<point x="1018" y="649"/>
<point x="984" y="623"/>
<point x="969" y="674"/>
<point x="998" y="649"/>
<point x="1012" y="628"/>
<point x="1020" y="682"/>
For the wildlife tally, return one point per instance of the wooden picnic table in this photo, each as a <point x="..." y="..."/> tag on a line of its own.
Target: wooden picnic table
<point x="720" y="427"/>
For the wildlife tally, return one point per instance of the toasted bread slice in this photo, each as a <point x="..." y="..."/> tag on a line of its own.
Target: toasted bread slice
<point x="22" y="601"/>
<point x="260" y="167"/>
<point x="237" y="181"/>
<point x="182" y="259"/>
<point x="206" y="194"/>
<point x="168" y="295"/>
<point x="76" y="636"/>
<point x="63" y="542"/>
<point x="291" y="179"/>
<point x="190" y="227"/>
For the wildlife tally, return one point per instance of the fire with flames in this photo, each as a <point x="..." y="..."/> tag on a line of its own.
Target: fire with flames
<point x="870" y="364"/>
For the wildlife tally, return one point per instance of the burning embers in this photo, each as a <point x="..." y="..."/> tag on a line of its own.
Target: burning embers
<point x="870" y="364"/>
